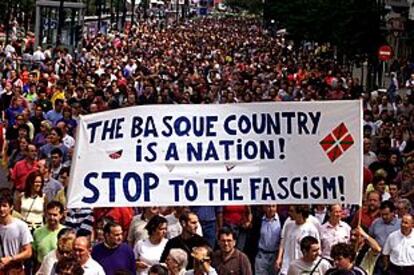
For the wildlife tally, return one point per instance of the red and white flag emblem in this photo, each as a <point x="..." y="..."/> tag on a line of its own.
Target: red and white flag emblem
<point x="337" y="142"/>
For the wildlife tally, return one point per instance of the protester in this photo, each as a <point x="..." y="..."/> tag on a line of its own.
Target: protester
<point x="228" y="259"/>
<point x="265" y="240"/>
<point x="343" y="255"/>
<point x="176" y="261"/>
<point x="148" y="252"/>
<point x="65" y="239"/>
<point x="187" y="240"/>
<point x="398" y="248"/>
<point x="201" y="261"/>
<point x="208" y="61"/>
<point x="15" y="237"/>
<point x="293" y="231"/>
<point x="334" y="230"/>
<point x="82" y="249"/>
<point x="310" y="262"/>
<point x="45" y="237"/>
<point x="32" y="202"/>
<point x="113" y="254"/>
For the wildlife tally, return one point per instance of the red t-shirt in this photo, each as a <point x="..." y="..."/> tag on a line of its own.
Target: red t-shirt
<point x="234" y="214"/>
<point x="19" y="173"/>
<point x="121" y="215"/>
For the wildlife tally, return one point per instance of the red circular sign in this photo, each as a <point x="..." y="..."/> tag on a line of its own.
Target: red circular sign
<point x="385" y="53"/>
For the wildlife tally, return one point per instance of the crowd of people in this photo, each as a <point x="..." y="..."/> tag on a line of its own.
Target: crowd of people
<point x="44" y="90"/>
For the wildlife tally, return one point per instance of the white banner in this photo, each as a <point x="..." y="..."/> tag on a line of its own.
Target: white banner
<point x="288" y="152"/>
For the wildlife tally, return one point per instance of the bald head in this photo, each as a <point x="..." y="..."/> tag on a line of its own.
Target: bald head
<point x="82" y="249"/>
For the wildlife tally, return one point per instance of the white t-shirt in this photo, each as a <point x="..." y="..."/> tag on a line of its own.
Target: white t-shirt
<point x="400" y="248"/>
<point x="47" y="264"/>
<point x="14" y="236"/>
<point x="148" y="253"/>
<point x="92" y="267"/>
<point x="331" y="235"/>
<point x="299" y="266"/>
<point x="291" y="236"/>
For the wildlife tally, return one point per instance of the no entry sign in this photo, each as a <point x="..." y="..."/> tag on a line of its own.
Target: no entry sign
<point x="385" y="53"/>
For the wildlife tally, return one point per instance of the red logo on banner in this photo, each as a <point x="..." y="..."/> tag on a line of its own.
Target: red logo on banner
<point x="337" y="142"/>
<point x="116" y="155"/>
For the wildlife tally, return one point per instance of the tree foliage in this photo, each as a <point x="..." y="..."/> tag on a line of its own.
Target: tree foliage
<point x="352" y="25"/>
<point x="252" y="6"/>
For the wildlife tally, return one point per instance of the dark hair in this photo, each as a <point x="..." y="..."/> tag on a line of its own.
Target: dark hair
<point x="387" y="204"/>
<point x="6" y="196"/>
<point x="377" y="178"/>
<point x="30" y="182"/>
<point x="226" y="230"/>
<point x="24" y="127"/>
<point x="304" y="210"/>
<point x="64" y="231"/>
<point x="69" y="263"/>
<point x="343" y="250"/>
<point x="56" y="151"/>
<point x="58" y="132"/>
<point x="307" y="242"/>
<point x="64" y="170"/>
<point x="153" y="224"/>
<point x="185" y="216"/>
<point x="55" y="204"/>
<point x="158" y="270"/>
<point x="108" y="226"/>
<point x="82" y="232"/>
<point x="59" y="101"/>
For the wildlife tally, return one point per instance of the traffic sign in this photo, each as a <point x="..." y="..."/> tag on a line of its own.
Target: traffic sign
<point x="385" y="53"/>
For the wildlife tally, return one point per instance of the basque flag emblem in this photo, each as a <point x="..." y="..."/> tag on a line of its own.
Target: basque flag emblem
<point x="337" y="142"/>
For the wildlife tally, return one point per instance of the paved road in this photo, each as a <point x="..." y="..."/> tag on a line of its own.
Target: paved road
<point x="3" y="178"/>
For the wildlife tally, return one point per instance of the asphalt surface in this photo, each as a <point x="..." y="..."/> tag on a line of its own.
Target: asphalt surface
<point x="3" y="178"/>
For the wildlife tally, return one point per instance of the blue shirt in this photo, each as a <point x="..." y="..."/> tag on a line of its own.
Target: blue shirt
<point x="206" y="213"/>
<point x="380" y="230"/>
<point x="53" y="116"/>
<point x="270" y="234"/>
<point x="112" y="260"/>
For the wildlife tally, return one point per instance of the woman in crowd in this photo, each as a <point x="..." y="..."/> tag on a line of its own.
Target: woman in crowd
<point x="31" y="203"/>
<point x="148" y="252"/>
<point x="41" y="137"/>
<point x="19" y="153"/>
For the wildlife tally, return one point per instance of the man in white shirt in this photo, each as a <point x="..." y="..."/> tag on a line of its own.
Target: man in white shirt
<point x="38" y="55"/>
<point x="310" y="263"/>
<point x="67" y="140"/>
<point x="292" y="234"/>
<point x="82" y="249"/>
<point x="334" y="230"/>
<point x="15" y="236"/>
<point x="399" y="248"/>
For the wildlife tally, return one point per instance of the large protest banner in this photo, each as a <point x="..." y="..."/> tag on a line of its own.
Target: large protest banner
<point x="289" y="152"/>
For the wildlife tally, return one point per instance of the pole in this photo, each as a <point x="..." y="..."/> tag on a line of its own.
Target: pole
<point x="124" y="14"/>
<point x="177" y="10"/>
<point x="99" y="7"/>
<point x="111" y="5"/>
<point x="7" y="25"/>
<point x="60" y="24"/>
<point x="118" y="10"/>
<point x="132" y="12"/>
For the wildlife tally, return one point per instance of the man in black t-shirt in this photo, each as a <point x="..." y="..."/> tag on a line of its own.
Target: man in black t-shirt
<point x="188" y="239"/>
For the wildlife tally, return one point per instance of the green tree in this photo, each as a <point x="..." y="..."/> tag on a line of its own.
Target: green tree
<point x="352" y="25"/>
<point x="252" y="6"/>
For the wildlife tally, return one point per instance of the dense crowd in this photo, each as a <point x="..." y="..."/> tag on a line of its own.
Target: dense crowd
<point x="44" y="90"/>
